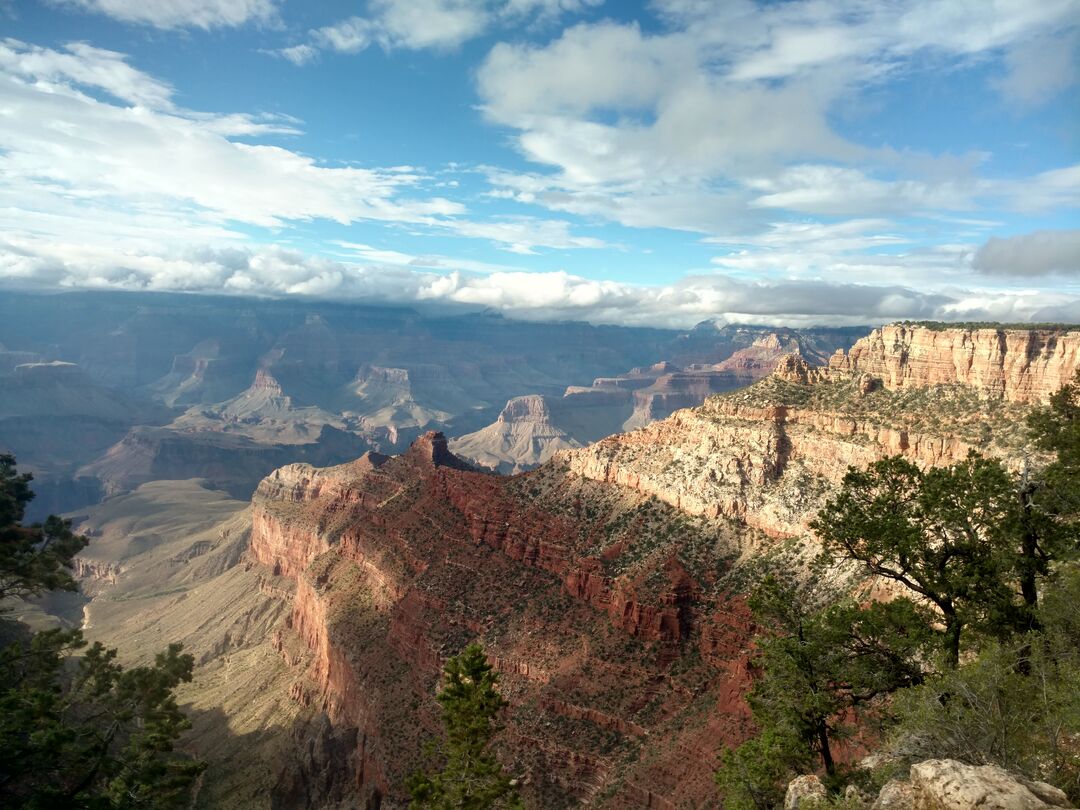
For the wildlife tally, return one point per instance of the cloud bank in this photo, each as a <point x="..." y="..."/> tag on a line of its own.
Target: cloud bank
<point x="394" y="277"/>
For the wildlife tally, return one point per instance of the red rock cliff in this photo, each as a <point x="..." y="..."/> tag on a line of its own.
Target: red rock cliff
<point x="585" y="598"/>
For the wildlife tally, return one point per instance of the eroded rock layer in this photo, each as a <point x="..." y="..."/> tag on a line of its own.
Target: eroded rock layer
<point x="769" y="455"/>
<point x="622" y="657"/>
<point x="1019" y="365"/>
<point x="604" y="585"/>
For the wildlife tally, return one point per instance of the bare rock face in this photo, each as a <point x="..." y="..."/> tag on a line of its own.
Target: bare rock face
<point x="1019" y="365"/>
<point x="804" y="792"/>
<point x="769" y="455"/>
<point x="794" y="368"/>
<point x="895" y="794"/>
<point x="532" y="428"/>
<point x="623" y="657"/>
<point x="945" y="784"/>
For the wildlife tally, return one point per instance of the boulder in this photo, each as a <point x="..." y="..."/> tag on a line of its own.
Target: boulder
<point x="945" y="784"/>
<point x="804" y="792"/>
<point x="894" y="795"/>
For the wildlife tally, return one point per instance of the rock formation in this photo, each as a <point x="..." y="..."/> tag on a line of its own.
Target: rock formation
<point x="945" y="784"/>
<point x="399" y="562"/>
<point x="529" y="430"/>
<point x="599" y="626"/>
<point x="604" y="585"/>
<point x="770" y="454"/>
<point x="1018" y="365"/>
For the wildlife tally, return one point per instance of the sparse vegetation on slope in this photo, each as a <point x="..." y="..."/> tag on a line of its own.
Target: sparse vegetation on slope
<point x="986" y="660"/>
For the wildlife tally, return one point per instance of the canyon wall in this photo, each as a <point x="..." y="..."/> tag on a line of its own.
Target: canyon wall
<point x="770" y="455"/>
<point x="623" y="660"/>
<point x="1020" y="365"/>
<point x="604" y="585"/>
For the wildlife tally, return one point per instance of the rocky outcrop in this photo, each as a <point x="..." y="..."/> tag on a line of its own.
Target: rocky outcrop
<point x="1019" y="365"/>
<point x="939" y="784"/>
<point x="769" y="456"/>
<point x="804" y="792"/>
<point x="398" y="562"/>
<point x="945" y="784"/>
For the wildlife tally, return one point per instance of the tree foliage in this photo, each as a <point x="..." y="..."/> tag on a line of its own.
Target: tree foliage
<point x="77" y="730"/>
<point x="959" y="537"/>
<point x="33" y="559"/>
<point x="984" y="664"/>
<point x="824" y="671"/>
<point x="991" y="711"/>
<point x="472" y="778"/>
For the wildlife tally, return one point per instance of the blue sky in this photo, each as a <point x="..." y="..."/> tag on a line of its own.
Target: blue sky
<point x="661" y="163"/>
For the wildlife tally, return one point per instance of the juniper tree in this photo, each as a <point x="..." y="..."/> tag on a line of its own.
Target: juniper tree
<point x="820" y="666"/>
<point x="949" y="535"/>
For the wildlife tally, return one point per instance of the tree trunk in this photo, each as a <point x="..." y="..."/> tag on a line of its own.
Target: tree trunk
<point x="953" y="627"/>
<point x="826" y="752"/>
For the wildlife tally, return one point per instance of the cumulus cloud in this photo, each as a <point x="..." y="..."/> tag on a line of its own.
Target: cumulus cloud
<point x="731" y="105"/>
<point x="394" y="277"/>
<point x="1032" y="254"/>
<point x="181" y="13"/>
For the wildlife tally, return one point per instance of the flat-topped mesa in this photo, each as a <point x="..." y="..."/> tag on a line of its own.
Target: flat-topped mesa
<point x="1014" y="364"/>
<point x="528" y="408"/>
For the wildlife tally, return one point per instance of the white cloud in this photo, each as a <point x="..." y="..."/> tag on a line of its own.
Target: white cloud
<point x="835" y="190"/>
<point x="733" y="103"/>
<point x="420" y="24"/>
<point x="85" y="65"/>
<point x="1030" y="254"/>
<point x="524" y="234"/>
<point x="538" y="296"/>
<point x="299" y="54"/>
<point x="59" y="144"/>
<point x="181" y="13"/>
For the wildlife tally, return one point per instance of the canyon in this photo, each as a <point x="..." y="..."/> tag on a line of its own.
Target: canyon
<point x="530" y="429"/>
<point x="101" y="392"/>
<point x="605" y="585"/>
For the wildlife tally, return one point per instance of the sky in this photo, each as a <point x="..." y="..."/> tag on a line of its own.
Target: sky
<point x="657" y="163"/>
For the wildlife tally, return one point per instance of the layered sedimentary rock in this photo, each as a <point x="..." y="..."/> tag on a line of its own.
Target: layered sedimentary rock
<point x="530" y="429"/>
<point x="622" y="657"/>
<point x="768" y="456"/>
<point x="1019" y="365"/>
<point x="603" y="584"/>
